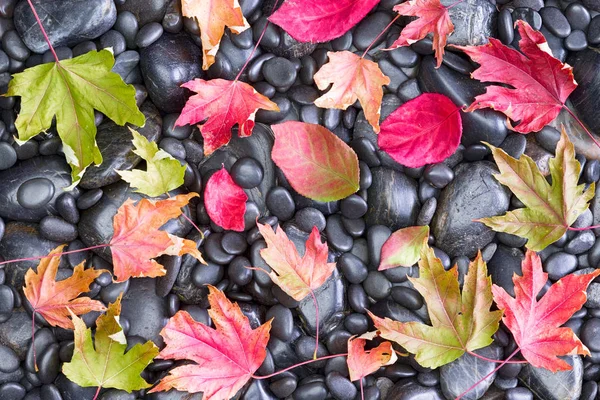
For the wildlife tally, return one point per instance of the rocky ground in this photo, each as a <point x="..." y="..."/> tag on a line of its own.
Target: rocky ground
<point x="156" y="50"/>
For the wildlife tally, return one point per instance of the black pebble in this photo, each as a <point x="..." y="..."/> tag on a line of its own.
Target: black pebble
<point x="506" y="32"/>
<point x="337" y="236"/>
<point x="57" y="229"/>
<point x="283" y="322"/>
<point x="280" y="203"/>
<point x="35" y="193"/>
<point x="309" y="217"/>
<point x="353" y="206"/>
<point x="247" y="172"/>
<point x="578" y="16"/>
<point x="377" y="285"/>
<point x="555" y="21"/>
<point x="439" y="175"/>
<point x="354" y="270"/>
<point x="560" y="264"/>
<point x="8" y="156"/>
<point x="340" y="387"/>
<point x="207" y="274"/>
<point x="89" y="199"/>
<point x="279" y="72"/>
<point x="148" y="34"/>
<point x="284" y="387"/>
<point x="576" y="41"/>
<point x="115" y="40"/>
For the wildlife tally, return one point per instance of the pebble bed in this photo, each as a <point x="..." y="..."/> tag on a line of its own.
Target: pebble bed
<point x="157" y="50"/>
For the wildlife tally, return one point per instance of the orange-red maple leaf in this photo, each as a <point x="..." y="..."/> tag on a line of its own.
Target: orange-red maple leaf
<point x="212" y="17"/>
<point x="53" y="299"/>
<point x="362" y="363"/>
<point x="353" y="78"/>
<point x="137" y="238"/>
<point x="222" y="104"/>
<point x="540" y="83"/>
<point x="225" y="358"/>
<point x="433" y="17"/>
<point x="295" y="275"/>
<point x="536" y="325"/>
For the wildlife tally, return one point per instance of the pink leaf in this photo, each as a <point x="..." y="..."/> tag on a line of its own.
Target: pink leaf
<point x="225" y="201"/>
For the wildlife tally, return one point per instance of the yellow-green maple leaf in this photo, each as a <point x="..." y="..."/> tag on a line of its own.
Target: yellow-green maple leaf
<point x="549" y="208"/>
<point x="163" y="172"/>
<point x="459" y="321"/>
<point x="71" y="90"/>
<point x="104" y="362"/>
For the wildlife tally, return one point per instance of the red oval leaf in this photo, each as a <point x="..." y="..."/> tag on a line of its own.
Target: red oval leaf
<point x="320" y="20"/>
<point x="317" y="164"/>
<point x="225" y="201"/>
<point x="425" y="130"/>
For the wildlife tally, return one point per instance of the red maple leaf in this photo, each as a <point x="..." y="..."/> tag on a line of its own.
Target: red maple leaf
<point x="540" y="83"/>
<point x="362" y="363"/>
<point x="536" y="325"/>
<point x="225" y="201"/>
<point x="433" y="17"/>
<point x="222" y="104"/>
<point x="225" y="358"/>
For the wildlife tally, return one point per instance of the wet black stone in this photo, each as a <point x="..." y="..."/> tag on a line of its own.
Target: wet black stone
<point x="166" y="64"/>
<point x="409" y="389"/>
<point x="283" y="387"/>
<point x="66" y="22"/>
<point x="353" y="206"/>
<point x="332" y="304"/>
<point x="473" y="194"/>
<point x="369" y="28"/>
<point x="247" y="172"/>
<point x="148" y="34"/>
<point x="377" y="286"/>
<point x="141" y="301"/>
<point x="57" y="229"/>
<point x="506" y="31"/>
<point x="593" y="35"/>
<point x="145" y="10"/>
<point x="581" y="242"/>
<point x="8" y="156"/>
<point x="340" y="387"/>
<point x="280" y="203"/>
<point x="279" y="72"/>
<point x="514" y="145"/>
<point x="578" y="16"/>
<point x="237" y="271"/>
<point x="576" y="41"/>
<point x="283" y="322"/>
<point x="10" y="361"/>
<point x="35" y="193"/>
<point x="532" y="17"/>
<point x="563" y="385"/>
<point x="407" y="297"/>
<point x="555" y="21"/>
<point x="461" y="374"/>
<point x="209" y="274"/>
<point x="590" y="334"/>
<point x="12" y="391"/>
<point x="309" y="217"/>
<point x="127" y="25"/>
<point x="336" y="234"/>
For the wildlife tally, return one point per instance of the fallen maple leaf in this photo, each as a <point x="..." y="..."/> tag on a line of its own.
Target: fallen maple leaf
<point x="104" y="362"/>
<point x="433" y="17"/>
<point x="320" y="20"/>
<point x="317" y="164"/>
<point x="225" y="358"/>
<point x="163" y="172"/>
<point x="353" y="78"/>
<point x="225" y="201"/>
<point x="297" y="276"/>
<point x="212" y="17"/>
<point x="222" y="104"/>
<point x="425" y="130"/>
<point x="549" y="208"/>
<point x="535" y="324"/>
<point x="362" y="363"/>
<point x="53" y="299"/>
<point x="137" y="238"/>
<point x="541" y="83"/>
<point x="460" y="322"/>
<point x="404" y="247"/>
<point x="71" y="90"/>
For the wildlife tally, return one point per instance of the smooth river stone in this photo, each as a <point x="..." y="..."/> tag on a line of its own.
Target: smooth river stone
<point x="116" y="146"/>
<point x="547" y="385"/>
<point x="474" y="193"/>
<point x="474" y="21"/>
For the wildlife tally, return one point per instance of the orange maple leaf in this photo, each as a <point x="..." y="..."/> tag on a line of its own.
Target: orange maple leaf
<point x="212" y="17"/>
<point x="362" y="363"/>
<point x="295" y="275"/>
<point x="433" y="17"/>
<point x="353" y="78"/>
<point x="53" y="299"/>
<point x="226" y="357"/>
<point x="137" y="238"/>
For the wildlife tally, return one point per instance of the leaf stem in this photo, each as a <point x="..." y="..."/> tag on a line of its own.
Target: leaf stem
<point x="99" y="246"/>
<point x="37" y="18"/>
<point x="97" y="392"/>
<point x="362" y="390"/>
<point x="576" y="118"/>
<point x="493" y="360"/>
<point x="312" y="293"/>
<point x="35" y="367"/>
<point x="488" y="375"/>
<point x="587" y="228"/>
<point x="378" y="36"/>
<point x="299" y="365"/>
<point x="256" y="45"/>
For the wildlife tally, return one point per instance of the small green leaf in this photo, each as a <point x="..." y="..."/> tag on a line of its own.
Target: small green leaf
<point x="104" y="362"/>
<point x="163" y="172"/>
<point x="71" y="90"/>
<point x="403" y="248"/>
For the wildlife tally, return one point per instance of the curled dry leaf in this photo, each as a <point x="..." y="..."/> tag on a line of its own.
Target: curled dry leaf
<point x="540" y="83"/>
<point x="425" y="130"/>
<point x="433" y="18"/>
<point x="353" y="78"/>
<point x="549" y="208"/>
<point x="137" y="239"/>
<point x="222" y="104"/>
<point x="297" y="276"/>
<point x="163" y="172"/>
<point x="460" y="321"/>
<point x="212" y="17"/>
<point x="403" y="248"/>
<point x="536" y="325"/>
<point x="317" y="164"/>
<point x="225" y="201"/>
<point x="224" y="358"/>
<point x="53" y="299"/>
<point x="320" y="20"/>
<point x="362" y="363"/>
<point x="104" y="362"/>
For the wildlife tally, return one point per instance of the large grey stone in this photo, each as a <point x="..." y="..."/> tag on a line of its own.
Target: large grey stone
<point x="474" y="21"/>
<point x="146" y="312"/>
<point x="474" y="193"/>
<point x="548" y="385"/>
<point x="16" y="333"/>
<point x="67" y="22"/>
<point x="409" y="389"/>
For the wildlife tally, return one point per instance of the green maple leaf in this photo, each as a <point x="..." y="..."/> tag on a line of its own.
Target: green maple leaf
<point x="549" y="208"/>
<point x="163" y="172"/>
<point x="459" y="321"/>
<point x="104" y="363"/>
<point x="71" y="90"/>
